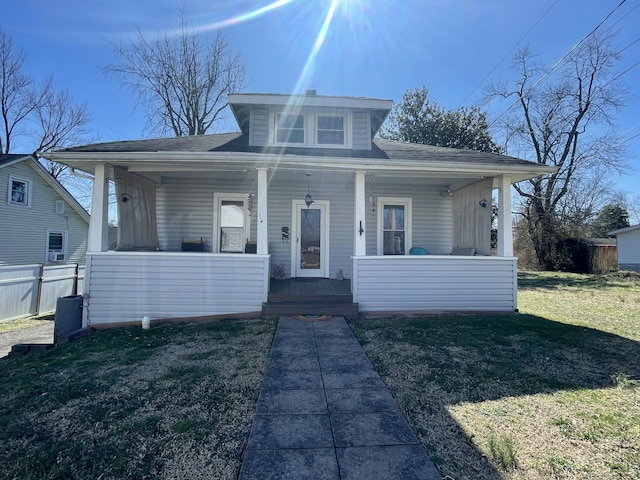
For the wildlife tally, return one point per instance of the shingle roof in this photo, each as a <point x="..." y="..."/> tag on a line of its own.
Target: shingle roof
<point x="7" y="158"/>
<point x="238" y="143"/>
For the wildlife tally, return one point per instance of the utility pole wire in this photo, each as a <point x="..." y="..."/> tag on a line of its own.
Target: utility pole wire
<point x="555" y="65"/>
<point x="507" y="54"/>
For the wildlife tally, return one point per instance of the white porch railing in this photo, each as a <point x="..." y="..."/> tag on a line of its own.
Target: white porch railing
<point x="123" y="287"/>
<point x="433" y="283"/>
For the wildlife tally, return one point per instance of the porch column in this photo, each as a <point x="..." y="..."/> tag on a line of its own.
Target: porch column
<point x="505" y="227"/>
<point x="98" y="222"/>
<point x="360" y="242"/>
<point x="263" y="238"/>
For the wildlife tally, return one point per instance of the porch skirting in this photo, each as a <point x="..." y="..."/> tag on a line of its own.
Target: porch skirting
<point x="435" y="283"/>
<point x="123" y="287"/>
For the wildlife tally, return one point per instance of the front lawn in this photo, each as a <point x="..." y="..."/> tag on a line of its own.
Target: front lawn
<point x="173" y="402"/>
<point x="551" y="392"/>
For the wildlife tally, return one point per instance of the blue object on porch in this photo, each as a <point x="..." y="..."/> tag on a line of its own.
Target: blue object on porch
<point x="418" y="251"/>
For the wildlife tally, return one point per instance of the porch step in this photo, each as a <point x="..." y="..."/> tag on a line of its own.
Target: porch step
<point x="310" y="298"/>
<point x="278" y="309"/>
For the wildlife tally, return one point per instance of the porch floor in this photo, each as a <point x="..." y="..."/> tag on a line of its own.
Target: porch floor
<point x="310" y="296"/>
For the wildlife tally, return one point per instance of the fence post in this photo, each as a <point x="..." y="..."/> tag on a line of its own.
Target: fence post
<point x="39" y="294"/>
<point x="75" y="282"/>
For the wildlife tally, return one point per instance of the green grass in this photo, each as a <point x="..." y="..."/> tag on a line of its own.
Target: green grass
<point x="130" y="403"/>
<point x="556" y="384"/>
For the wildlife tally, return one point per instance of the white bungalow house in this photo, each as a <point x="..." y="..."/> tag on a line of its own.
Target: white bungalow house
<point x="628" y="243"/>
<point x="302" y="199"/>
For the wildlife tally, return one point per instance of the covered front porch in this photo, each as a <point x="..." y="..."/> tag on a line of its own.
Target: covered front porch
<point x="440" y="215"/>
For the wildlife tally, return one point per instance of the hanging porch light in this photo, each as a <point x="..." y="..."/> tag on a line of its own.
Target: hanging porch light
<point x="307" y="199"/>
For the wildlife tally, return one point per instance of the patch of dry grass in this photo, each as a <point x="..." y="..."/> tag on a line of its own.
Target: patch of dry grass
<point x="547" y="394"/>
<point x="20" y="323"/>
<point x="172" y="402"/>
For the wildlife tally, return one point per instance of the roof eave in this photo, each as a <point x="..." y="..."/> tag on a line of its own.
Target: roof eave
<point x="203" y="161"/>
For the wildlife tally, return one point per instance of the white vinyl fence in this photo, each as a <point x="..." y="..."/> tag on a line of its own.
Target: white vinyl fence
<point x="34" y="289"/>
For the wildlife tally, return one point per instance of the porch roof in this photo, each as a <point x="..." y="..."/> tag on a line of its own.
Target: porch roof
<point x="232" y="151"/>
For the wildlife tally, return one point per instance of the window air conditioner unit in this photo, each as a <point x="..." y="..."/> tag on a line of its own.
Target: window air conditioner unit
<point x="56" y="256"/>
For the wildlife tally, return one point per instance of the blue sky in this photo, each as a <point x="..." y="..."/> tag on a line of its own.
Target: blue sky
<point x="372" y="48"/>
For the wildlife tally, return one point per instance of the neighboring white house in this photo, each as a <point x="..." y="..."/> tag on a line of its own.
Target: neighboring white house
<point x="40" y="221"/>
<point x="308" y="192"/>
<point x="628" y="243"/>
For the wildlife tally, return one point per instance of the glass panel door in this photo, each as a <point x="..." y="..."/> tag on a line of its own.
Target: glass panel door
<point x="310" y="257"/>
<point x="310" y="244"/>
<point x="393" y="230"/>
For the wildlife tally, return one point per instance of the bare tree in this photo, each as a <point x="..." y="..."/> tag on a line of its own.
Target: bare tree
<point x="17" y="95"/>
<point x="44" y="117"/>
<point x="565" y="123"/>
<point x="61" y="121"/>
<point x="182" y="81"/>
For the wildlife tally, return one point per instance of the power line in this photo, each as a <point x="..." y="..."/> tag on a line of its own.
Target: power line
<point x="555" y="65"/>
<point x="507" y="54"/>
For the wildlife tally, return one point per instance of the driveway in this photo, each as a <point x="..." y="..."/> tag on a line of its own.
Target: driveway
<point x="37" y="334"/>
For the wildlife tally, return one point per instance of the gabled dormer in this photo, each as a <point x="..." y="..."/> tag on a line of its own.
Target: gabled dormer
<point x="309" y="120"/>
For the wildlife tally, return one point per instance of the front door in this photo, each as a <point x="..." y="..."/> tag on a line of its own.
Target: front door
<point x="310" y="255"/>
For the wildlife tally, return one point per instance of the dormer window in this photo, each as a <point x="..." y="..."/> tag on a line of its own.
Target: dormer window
<point x="330" y="129"/>
<point x="289" y="128"/>
<point x="312" y="128"/>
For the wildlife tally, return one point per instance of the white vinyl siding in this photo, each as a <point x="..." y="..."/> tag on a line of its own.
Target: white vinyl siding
<point x="435" y="283"/>
<point x="23" y="236"/>
<point x="628" y="246"/>
<point x="431" y="220"/>
<point x="185" y="207"/>
<point x="126" y="286"/>
<point x="361" y="130"/>
<point x="259" y="127"/>
<point x="337" y="188"/>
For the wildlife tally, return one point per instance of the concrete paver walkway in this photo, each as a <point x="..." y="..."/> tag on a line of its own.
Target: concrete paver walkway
<point x="324" y="413"/>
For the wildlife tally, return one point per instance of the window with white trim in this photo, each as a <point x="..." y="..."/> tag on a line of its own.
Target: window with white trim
<point x="290" y="128"/>
<point x="311" y="128"/>
<point x="330" y="129"/>
<point x="56" y="246"/>
<point x="19" y="191"/>
<point x="231" y="222"/>
<point x="394" y="226"/>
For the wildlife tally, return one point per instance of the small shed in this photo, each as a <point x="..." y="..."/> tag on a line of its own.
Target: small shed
<point x="588" y="255"/>
<point x="628" y="243"/>
<point x="603" y="258"/>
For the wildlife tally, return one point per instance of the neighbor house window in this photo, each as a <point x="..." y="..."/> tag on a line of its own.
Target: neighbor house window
<point x="56" y="246"/>
<point x="231" y="222"/>
<point x="330" y="130"/>
<point x="19" y="191"/>
<point x="289" y="128"/>
<point x="394" y="226"/>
